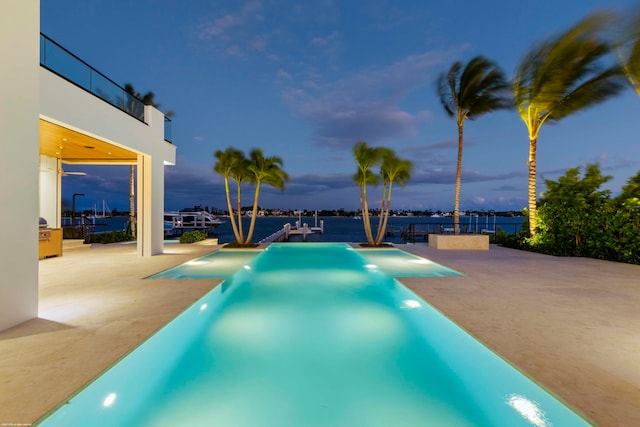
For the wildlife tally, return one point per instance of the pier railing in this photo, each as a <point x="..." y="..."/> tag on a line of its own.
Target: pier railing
<point x="281" y="235"/>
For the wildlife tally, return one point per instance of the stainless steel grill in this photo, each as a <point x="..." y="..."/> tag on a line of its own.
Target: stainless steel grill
<point x="44" y="232"/>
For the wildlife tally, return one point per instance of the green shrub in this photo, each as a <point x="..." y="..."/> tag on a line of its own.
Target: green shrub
<point x="110" y="237"/>
<point x="192" y="236"/>
<point x="233" y="245"/>
<point x="576" y="218"/>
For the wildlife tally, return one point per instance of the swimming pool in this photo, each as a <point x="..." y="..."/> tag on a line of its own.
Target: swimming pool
<point x="312" y="335"/>
<point x="224" y="263"/>
<point x="220" y="264"/>
<point x="398" y="263"/>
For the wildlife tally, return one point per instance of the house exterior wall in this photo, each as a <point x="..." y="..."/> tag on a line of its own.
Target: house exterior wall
<point x="50" y="193"/>
<point x="63" y="103"/>
<point x="19" y="159"/>
<point x="28" y="181"/>
<point x="67" y="105"/>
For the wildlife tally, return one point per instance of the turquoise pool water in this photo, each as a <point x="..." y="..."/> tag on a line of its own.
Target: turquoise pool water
<point x="224" y="263"/>
<point x="312" y="335"/>
<point x="398" y="263"/>
<point x="220" y="264"/>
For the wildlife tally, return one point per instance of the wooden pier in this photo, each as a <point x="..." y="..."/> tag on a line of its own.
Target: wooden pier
<point x="298" y="229"/>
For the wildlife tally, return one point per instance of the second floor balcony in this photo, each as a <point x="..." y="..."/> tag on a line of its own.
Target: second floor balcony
<point x="63" y="63"/>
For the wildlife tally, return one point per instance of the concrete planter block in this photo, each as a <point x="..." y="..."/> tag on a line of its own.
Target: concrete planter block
<point x="473" y="242"/>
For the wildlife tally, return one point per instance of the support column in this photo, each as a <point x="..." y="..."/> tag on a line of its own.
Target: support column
<point x="150" y="203"/>
<point x="19" y="159"/>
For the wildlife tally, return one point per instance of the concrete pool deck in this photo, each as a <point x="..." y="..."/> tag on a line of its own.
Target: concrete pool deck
<point x="569" y="323"/>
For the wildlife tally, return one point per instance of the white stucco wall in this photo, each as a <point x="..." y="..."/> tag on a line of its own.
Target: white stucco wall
<point x="50" y="191"/>
<point x="19" y="159"/>
<point x="67" y="105"/>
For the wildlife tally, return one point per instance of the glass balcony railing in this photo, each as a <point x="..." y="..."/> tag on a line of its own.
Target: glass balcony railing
<point x="167" y="129"/>
<point x="60" y="61"/>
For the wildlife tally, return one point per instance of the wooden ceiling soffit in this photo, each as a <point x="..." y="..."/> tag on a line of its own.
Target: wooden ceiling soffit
<point x="75" y="147"/>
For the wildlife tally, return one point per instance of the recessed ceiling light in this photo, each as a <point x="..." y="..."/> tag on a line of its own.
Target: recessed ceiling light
<point x="64" y="139"/>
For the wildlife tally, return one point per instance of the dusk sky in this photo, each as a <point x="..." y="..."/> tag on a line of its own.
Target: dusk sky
<point x="305" y="80"/>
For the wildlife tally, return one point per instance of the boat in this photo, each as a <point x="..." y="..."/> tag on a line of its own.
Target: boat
<point x="189" y="219"/>
<point x="106" y="212"/>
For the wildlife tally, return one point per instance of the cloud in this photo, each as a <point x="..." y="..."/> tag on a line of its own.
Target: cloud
<point x="448" y="176"/>
<point x="327" y="46"/>
<point x="222" y="25"/>
<point x="428" y="148"/>
<point x="259" y="43"/>
<point x="108" y="183"/>
<point x="479" y="200"/>
<point x="365" y="105"/>
<point x="232" y="33"/>
<point x="606" y="165"/>
<point x="283" y="75"/>
<point x="188" y="184"/>
<point x="507" y="188"/>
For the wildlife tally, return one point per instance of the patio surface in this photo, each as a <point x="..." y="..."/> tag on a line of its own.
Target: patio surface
<point x="569" y="323"/>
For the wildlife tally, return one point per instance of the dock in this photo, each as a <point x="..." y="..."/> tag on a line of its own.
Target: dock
<point x="298" y="229"/>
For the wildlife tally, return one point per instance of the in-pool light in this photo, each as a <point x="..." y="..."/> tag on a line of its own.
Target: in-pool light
<point x="529" y="410"/>
<point x="247" y="267"/>
<point x="371" y="266"/>
<point x="109" y="400"/>
<point x="196" y="262"/>
<point x="203" y="307"/>
<point x="410" y="303"/>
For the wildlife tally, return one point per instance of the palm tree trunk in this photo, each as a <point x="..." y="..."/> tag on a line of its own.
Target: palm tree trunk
<point x="456" y="203"/>
<point x="365" y="216"/>
<point x="230" y="207"/>
<point x="533" y="207"/>
<point x="380" y="217"/>
<point x="254" y="212"/>
<point x="386" y="216"/>
<point x="240" y="231"/>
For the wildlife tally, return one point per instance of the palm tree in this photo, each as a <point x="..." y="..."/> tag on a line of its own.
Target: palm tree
<point x="466" y="94"/>
<point x="628" y="50"/>
<point x="561" y="76"/>
<point x="366" y="157"/>
<point x="393" y="169"/>
<point x="228" y="161"/>
<point x="266" y="170"/>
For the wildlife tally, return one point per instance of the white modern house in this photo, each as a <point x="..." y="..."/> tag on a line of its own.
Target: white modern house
<point x="57" y="110"/>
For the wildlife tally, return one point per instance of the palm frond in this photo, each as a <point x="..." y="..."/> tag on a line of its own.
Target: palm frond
<point x="566" y="73"/>
<point x="628" y="48"/>
<point x="475" y="90"/>
<point x="447" y="91"/>
<point x="591" y="92"/>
